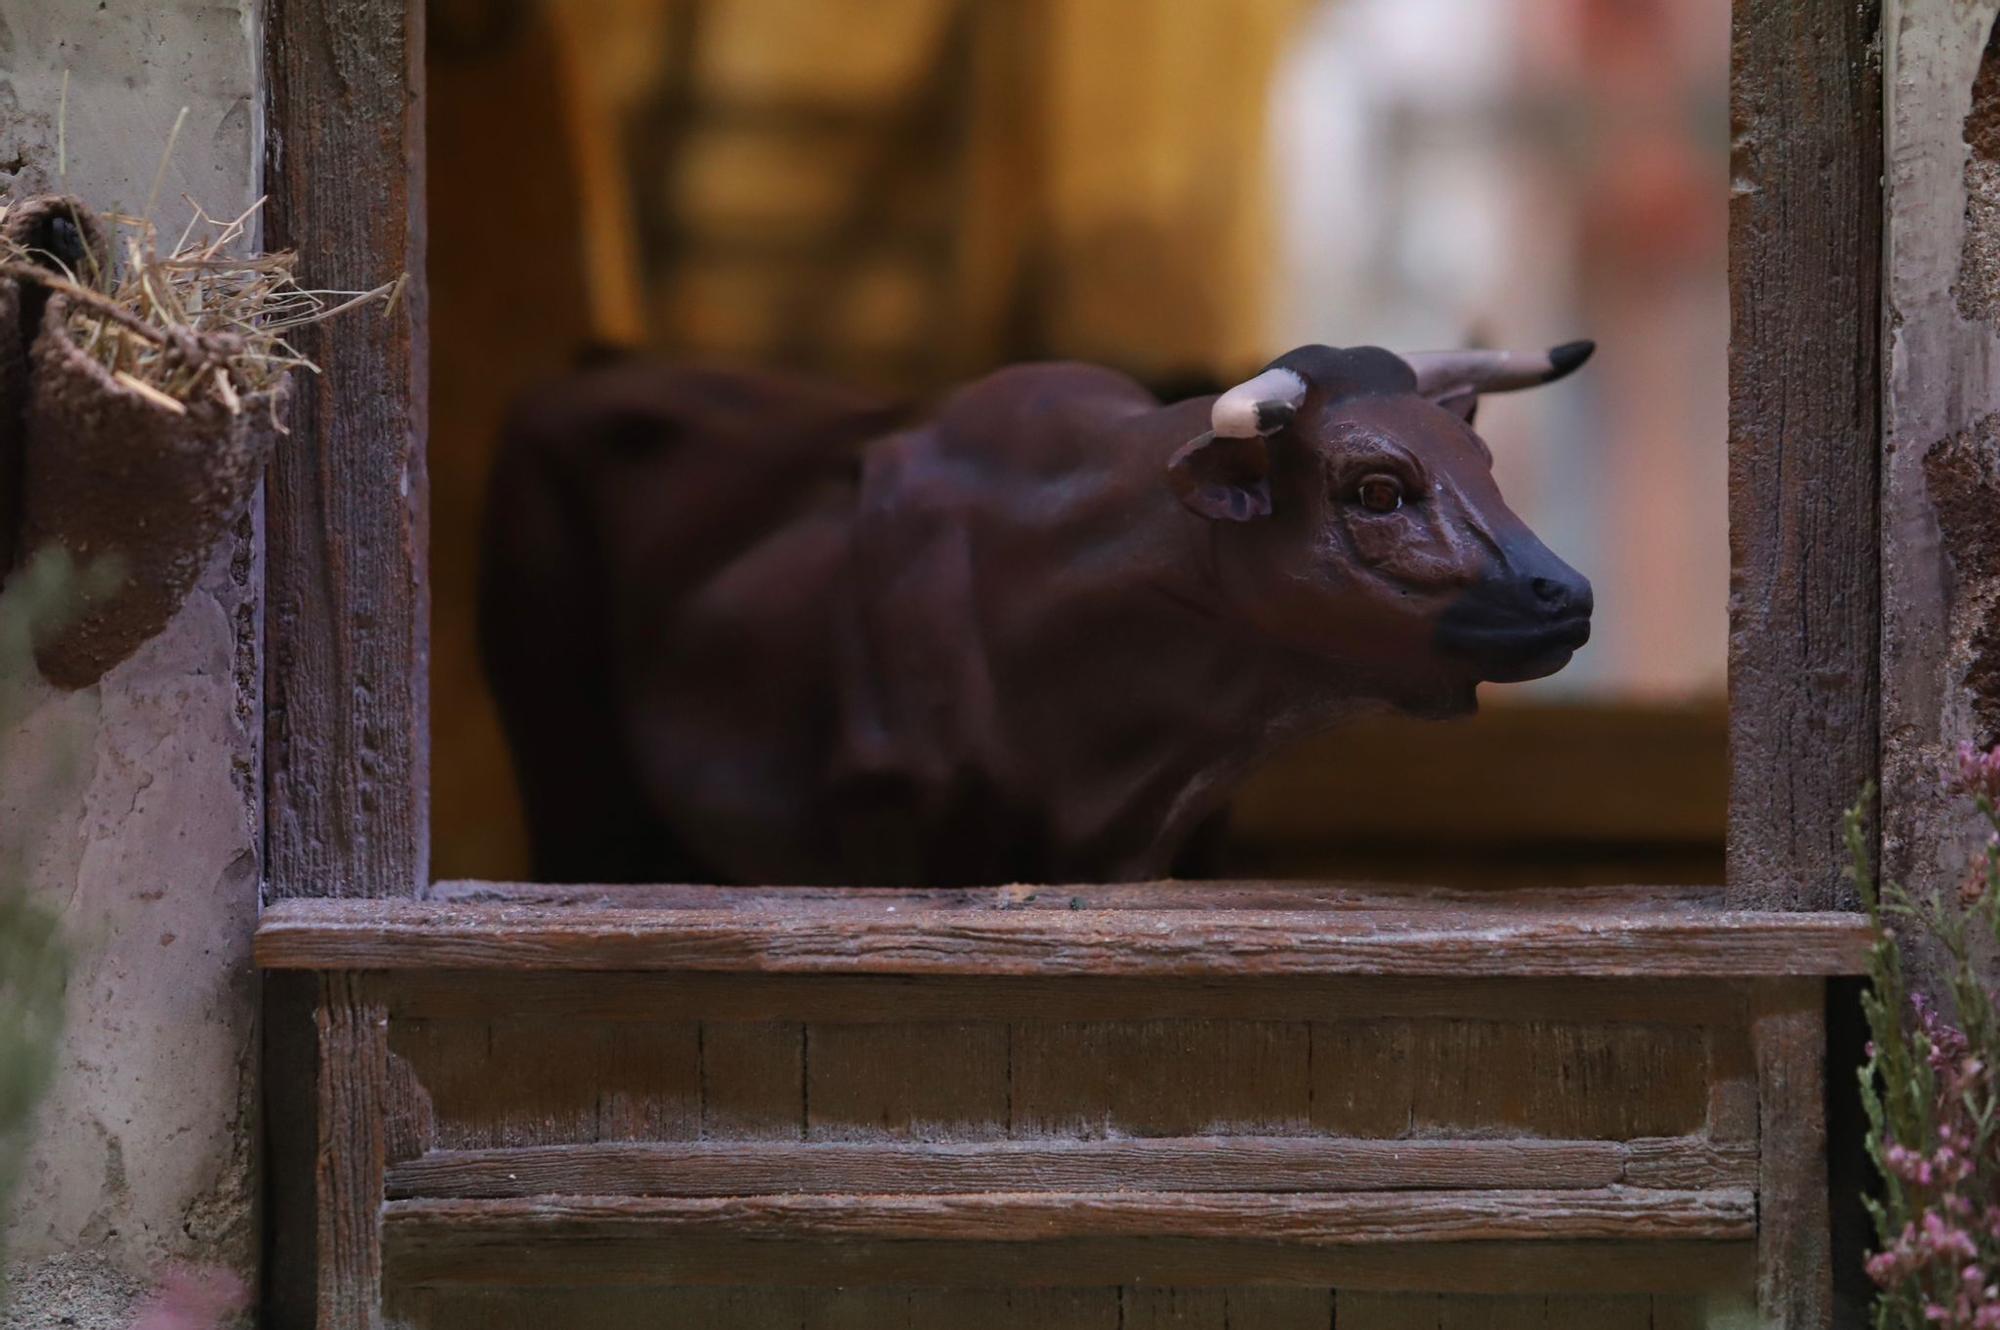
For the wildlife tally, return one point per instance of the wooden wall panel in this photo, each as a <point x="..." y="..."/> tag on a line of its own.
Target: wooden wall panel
<point x="906" y="1081"/>
<point x="1161" y="1078"/>
<point x="347" y="724"/>
<point x="1805" y="230"/>
<point x="517" y="1081"/>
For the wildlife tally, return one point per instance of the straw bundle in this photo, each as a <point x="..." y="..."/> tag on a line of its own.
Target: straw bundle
<point x="153" y="398"/>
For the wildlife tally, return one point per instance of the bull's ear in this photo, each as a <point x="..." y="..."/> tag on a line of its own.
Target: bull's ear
<point x="1462" y="402"/>
<point x="1222" y="478"/>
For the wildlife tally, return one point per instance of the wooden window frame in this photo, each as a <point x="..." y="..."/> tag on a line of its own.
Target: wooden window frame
<point x="347" y="760"/>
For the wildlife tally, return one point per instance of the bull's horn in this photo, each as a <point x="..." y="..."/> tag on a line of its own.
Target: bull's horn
<point x="1440" y="372"/>
<point x="1263" y="405"/>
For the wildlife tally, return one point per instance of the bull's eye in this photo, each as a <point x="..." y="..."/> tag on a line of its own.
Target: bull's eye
<point x="1380" y="493"/>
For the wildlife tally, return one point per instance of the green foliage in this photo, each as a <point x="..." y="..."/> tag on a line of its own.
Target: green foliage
<point x="34" y="962"/>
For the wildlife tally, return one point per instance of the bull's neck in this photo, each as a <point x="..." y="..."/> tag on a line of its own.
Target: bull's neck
<point x="1164" y="696"/>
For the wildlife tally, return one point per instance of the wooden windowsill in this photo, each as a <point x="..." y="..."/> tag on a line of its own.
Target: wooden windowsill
<point x="1153" y="929"/>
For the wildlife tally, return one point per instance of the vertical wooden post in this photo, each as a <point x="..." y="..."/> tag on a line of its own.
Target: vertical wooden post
<point x="1805" y="222"/>
<point x="350" y="1159"/>
<point x="347" y="723"/>
<point x="1794" y="1264"/>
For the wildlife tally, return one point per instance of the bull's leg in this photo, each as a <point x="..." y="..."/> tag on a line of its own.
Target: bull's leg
<point x="544" y="629"/>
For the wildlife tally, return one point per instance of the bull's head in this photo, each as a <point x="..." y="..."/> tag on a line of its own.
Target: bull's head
<point x="1355" y="519"/>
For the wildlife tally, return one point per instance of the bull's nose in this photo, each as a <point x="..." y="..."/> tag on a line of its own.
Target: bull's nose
<point x="1562" y="597"/>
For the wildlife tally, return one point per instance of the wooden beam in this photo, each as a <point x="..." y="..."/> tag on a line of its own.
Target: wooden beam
<point x="1276" y="1164"/>
<point x="557" y="1224"/>
<point x="1463" y="1267"/>
<point x="350" y="1158"/>
<point x="346" y="618"/>
<point x="848" y="999"/>
<point x="1794" y="1228"/>
<point x="1348" y="897"/>
<point x="400" y="935"/>
<point x="1805" y="232"/>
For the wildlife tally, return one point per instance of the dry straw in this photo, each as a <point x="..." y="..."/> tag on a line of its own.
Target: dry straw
<point x="200" y="317"/>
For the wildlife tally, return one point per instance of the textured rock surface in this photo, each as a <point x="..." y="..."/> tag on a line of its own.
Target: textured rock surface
<point x="1941" y="463"/>
<point x="138" y="797"/>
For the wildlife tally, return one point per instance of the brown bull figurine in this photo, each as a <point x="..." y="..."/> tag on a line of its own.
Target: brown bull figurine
<point x="745" y="628"/>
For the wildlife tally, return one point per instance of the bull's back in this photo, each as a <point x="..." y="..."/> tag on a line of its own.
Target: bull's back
<point x="630" y="506"/>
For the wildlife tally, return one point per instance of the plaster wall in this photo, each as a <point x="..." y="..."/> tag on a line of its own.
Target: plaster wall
<point x="137" y="800"/>
<point x="1941" y="426"/>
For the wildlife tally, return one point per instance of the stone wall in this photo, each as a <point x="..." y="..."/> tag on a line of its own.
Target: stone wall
<point x="138" y="799"/>
<point x="1941" y="425"/>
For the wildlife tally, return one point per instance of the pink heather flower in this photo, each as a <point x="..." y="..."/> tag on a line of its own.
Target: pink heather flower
<point x="193" y="1298"/>
<point x="1978" y="773"/>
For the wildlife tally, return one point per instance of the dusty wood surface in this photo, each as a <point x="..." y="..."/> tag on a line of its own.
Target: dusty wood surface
<point x="1141" y="1307"/>
<point x="627" y="998"/>
<point x="347" y="738"/>
<point x="555" y="1223"/>
<point x="1805" y="226"/>
<point x="1345" y="897"/>
<point x="1794" y="1279"/>
<point x="393" y="935"/>
<point x="1462" y="1267"/>
<point x="1185" y="1164"/>
<point x="349" y="1161"/>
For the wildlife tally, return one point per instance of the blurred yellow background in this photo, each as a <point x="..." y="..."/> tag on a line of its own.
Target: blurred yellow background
<point x="906" y="192"/>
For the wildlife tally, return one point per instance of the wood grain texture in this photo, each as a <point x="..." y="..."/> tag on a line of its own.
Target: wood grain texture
<point x="906" y="1081"/>
<point x="347" y="738"/>
<point x="624" y="998"/>
<point x="1345" y="897"/>
<point x="1805" y="229"/>
<point x="1794" y="1232"/>
<point x="392" y="935"/>
<point x="350" y="1157"/>
<point x="559" y="1223"/>
<point x="1682" y="1267"/>
<point x="1160" y="1078"/>
<point x="1277" y="1164"/>
<point x="753" y="1080"/>
<point x="532" y="1080"/>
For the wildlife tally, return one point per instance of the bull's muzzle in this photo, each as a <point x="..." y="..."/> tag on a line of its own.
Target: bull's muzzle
<point x="1522" y="621"/>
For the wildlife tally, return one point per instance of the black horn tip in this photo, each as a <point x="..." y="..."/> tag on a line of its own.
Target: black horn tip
<point x="1568" y="358"/>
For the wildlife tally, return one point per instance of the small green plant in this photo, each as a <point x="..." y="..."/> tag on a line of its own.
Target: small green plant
<point x="1930" y="1090"/>
<point x="34" y="962"/>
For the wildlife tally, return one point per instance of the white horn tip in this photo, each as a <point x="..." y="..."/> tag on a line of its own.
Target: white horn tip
<point x="1263" y="405"/>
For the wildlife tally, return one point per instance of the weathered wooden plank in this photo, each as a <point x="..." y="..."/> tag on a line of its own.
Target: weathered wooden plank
<point x="1147" y="1308"/>
<point x="350" y="1158"/>
<point x="1202" y="1163"/>
<point x="347" y="738"/>
<point x="623" y="998"/>
<point x="694" y="1260"/>
<point x="1506" y="1311"/>
<point x="390" y="935"/>
<point x="536" y="1080"/>
<point x="1277" y="1309"/>
<point x="1373" y="898"/>
<point x="1388" y="1311"/>
<point x="1805" y="230"/>
<point x="1160" y="1078"/>
<point x="925" y="1082"/>
<point x="560" y="1224"/>
<point x="1363" y="1077"/>
<point x="1562" y="1079"/>
<point x="753" y="1080"/>
<point x="1689" y="1162"/>
<point x="1794" y="1265"/>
